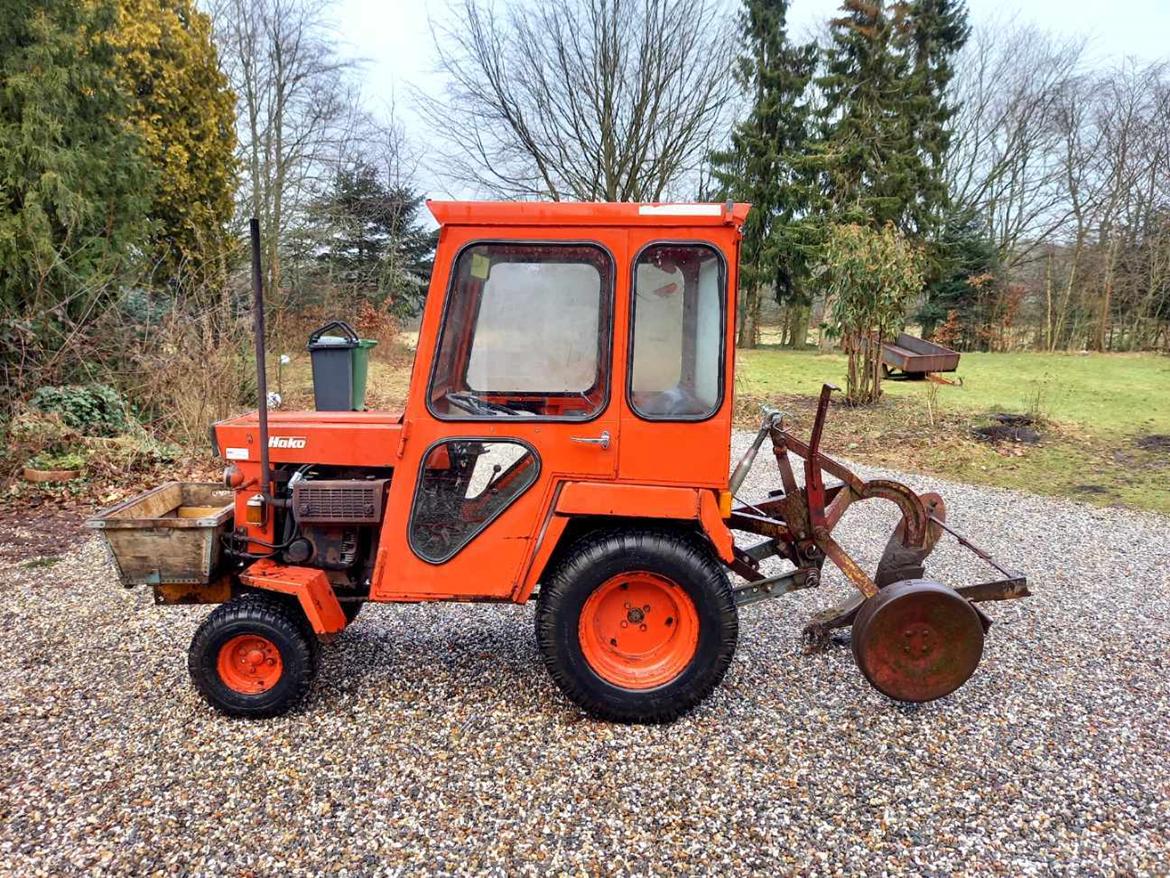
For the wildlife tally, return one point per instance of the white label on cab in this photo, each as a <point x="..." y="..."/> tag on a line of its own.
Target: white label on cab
<point x="236" y="453"/>
<point x="680" y="210"/>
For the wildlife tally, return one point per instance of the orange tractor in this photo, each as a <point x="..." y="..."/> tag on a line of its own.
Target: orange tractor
<point x="566" y="437"/>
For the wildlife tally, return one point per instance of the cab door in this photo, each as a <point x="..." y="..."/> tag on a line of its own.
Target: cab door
<point x="676" y="421"/>
<point x="513" y="395"/>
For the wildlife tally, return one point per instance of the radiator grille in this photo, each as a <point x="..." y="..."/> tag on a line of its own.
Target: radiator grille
<point x="342" y="501"/>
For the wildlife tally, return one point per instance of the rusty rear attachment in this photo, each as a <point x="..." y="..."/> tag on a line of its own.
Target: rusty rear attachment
<point x="914" y="639"/>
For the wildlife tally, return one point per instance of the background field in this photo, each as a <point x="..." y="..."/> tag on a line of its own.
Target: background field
<point x="1104" y="420"/>
<point x="1096" y="416"/>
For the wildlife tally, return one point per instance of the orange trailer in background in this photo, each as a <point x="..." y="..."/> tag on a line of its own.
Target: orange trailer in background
<point x="566" y="435"/>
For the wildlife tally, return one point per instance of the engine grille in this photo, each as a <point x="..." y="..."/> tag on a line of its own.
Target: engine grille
<point x="340" y="501"/>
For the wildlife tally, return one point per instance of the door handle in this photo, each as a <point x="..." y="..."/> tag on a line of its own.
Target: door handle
<point x="602" y="440"/>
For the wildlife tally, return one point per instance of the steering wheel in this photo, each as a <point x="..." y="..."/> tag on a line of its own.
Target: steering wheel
<point x="474" y="405"/>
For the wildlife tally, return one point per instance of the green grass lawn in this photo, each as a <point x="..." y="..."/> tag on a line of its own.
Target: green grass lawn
<point x="1094" y="409"/>
<point x="1107" y="394"/>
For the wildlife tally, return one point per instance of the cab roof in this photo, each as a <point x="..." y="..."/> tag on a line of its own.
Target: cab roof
<point x="586" y="213"/>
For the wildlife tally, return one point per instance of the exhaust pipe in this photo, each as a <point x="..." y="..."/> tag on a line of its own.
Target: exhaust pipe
<point x="267" y="485"/>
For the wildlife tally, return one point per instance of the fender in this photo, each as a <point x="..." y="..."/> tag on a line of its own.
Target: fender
<point x="308" y="585"/>
<point x="700" y="505"/>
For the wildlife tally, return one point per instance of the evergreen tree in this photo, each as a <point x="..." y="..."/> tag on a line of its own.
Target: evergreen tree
<point x="75" y="189"/>
<point x="886" y="118"/>
<point x="184" y="111"/>
<point x="762" y="165"/>
<point x="936" y="31"/>
<point x="372" y="240"/>
<point x="957" y="247"/>
<point x="869" y="166"/>
<point x="965" y="259"/>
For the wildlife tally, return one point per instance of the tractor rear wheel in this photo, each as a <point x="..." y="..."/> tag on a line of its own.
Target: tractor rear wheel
<point x="637" y="626"/>
<point x="253" y="657"/>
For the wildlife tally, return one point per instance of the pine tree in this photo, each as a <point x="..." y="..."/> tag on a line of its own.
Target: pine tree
<point x="184" y="112"/>
<point x="957" y="246"/>
<point x="936" y="31"/>
<point x="871" y="167"/>
<point x="762" y="165"/>
<point x="372" y="240"/>
<point x="885" y="122"/>
<point x="964" y="256"/>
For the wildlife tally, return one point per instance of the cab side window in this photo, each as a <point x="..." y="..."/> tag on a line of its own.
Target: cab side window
<point x="464" y="485"/>
<point x="679" y="297"/>
<point x="526" y="333"/>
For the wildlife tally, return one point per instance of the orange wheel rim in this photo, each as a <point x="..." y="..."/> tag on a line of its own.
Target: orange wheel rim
<point x="639" y="630"/>
<point x="249" y="664"/>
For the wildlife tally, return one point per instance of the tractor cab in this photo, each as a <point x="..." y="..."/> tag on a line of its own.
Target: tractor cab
<point x="602" y="329"/>
<point x="569" y="356"/>
<point x="566" y="435"/>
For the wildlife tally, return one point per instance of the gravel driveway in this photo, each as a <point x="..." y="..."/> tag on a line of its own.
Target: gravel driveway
<point x="435" y="741"/>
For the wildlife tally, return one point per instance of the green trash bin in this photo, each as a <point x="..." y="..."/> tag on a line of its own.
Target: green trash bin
<point x="341" y="362"/>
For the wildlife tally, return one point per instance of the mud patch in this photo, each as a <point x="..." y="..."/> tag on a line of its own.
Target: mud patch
<point x="1007" y="427"/>
<point x="38" y="533"/>
<point x="1156" y="442"/>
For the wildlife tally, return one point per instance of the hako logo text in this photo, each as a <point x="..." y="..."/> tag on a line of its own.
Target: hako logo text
<point x="287" y="441"/>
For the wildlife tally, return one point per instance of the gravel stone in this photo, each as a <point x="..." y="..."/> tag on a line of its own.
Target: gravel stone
<point x="434" y="741"/>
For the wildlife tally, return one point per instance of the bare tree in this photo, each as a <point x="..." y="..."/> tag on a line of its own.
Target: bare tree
<point x="1005" y="157"/>
<point x="296" y="106"/>
<point x="616" y="100"/>
<point x="1073" y="164"/>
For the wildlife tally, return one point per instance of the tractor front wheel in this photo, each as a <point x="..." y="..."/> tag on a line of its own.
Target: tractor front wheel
<point x="253" y="657"/>
<point x="637" y="626"/>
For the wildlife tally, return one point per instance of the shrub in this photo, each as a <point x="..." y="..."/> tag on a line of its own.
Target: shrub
<point x="197" y="370"/>
<point x="90" y="409"/>
<point x="66" y="460"/>
<point x="870" y="276"/>
<point x="135" y="452"/>
<point x="34" y="433"/>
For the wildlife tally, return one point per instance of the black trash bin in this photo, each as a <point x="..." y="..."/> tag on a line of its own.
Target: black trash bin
<point x="340" y="365"/>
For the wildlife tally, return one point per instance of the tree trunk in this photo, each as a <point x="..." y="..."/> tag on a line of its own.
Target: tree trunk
<point x="1048" y="303"/>
<point x="749" y="323"/>
<point x="798" y="327"/>
<point x="1099" y="338"/>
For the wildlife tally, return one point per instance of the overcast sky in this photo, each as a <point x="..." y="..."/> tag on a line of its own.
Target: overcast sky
<point x="393" y="37"/>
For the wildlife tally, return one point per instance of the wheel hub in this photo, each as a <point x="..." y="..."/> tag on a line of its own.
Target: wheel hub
<point x="639" y="630"/>
<point x="249" y="664"/>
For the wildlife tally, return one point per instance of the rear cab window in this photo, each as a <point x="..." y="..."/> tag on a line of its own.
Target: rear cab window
<point x="678" y="319"/>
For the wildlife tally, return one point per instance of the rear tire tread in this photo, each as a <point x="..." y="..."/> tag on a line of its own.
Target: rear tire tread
<point x="639" y="549"/>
